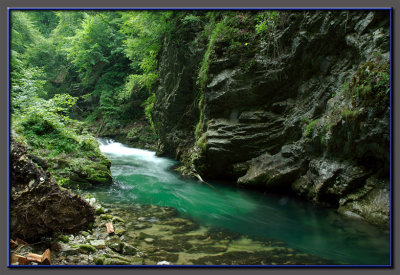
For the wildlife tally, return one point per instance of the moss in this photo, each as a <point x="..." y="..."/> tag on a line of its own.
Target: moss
<point x="87" y="248"/>
<point x="305" y="120"/>
<point x="120" y="231"/>
<point x="310" y="127"/>
<point x="99" y="260"/>
<point x="115" y="244"/>
<point x="100" y="211"/>
<point x="205" y="63"/>
<point x="63" y="238"/>
<point x="118" y="219"/>
<point x="371" y="84"/>
<point x="349" y="115"/>
<point x="88" y="196"/>
<point x="200" y="124"/>
<point x="202" y="142"/>
<point x="114" y="256"/>
<point x="143" y="236"/>
<point x="90" y="227"/>
<point x="111" y="261"/>
<point x="106" y="216"/>
<point x="74" y="159"/>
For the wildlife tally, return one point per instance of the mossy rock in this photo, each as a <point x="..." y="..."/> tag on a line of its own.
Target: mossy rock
<point x="120" y="231"/>
<point x="115" y="244"/>
<point x="99" y="260"/>
<point x="87" y="248"/>
<point x="119" y="257"/>
<point x="100" y="210"/>
<point x="130" y="250"/>
<point x="113" y="261"/>
<point x="63" y="238"/>
<point x="143" y="236"/>
<point x="85" y="233"/>
<point x="106" y="216"/>
<point x="118" y="219"/>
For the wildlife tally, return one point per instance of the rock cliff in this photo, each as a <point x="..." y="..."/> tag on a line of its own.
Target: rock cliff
<point x="301" y="108"/>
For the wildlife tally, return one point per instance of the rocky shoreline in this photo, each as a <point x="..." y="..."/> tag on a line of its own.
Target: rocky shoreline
<point x="154" y="235"/>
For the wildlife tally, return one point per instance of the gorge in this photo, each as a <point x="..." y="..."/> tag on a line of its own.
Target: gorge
<point x="284" y="114"/>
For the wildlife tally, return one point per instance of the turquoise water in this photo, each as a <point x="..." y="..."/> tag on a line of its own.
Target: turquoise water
<point x="142" y="178"/>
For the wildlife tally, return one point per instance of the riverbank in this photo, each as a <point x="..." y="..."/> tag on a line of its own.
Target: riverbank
<point x="154" y="235"/>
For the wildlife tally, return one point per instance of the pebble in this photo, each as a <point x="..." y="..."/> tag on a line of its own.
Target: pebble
<point x="149" y="240"/>
<point x="163" y="263"/>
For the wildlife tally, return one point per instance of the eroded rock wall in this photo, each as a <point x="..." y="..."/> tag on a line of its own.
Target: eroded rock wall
<point x="304" y="110"/>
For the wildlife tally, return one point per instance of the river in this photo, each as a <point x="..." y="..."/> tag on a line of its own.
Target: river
<point x="142" y="178"/>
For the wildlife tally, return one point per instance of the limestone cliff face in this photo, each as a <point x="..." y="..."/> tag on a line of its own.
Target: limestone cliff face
<point x="304" y="110"/>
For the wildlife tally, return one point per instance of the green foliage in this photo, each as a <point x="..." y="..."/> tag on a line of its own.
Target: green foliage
<point x="26" y="85"/>
<point x="310" y="127"/>
<point x="99" y="260"/>
<point x="148" y="105"/>
<point x="200" y="124"/>
<point x="144" y="31"/>
<point x="100" y="211"/>
<point x="205" y="63"/>
<point x="44" y="126"/>
<point x="68" y="23"/>
<point x="63" y="238"/>
<point x="191" y="19"/>
<point x="266" y="27"/>
<point x="95" y="44"/>
<point x="45" y="21"/>
<point x="23" y="33"/>
<point x="266" y="23"/>
<point x="349" y="115"/>
<point x="202" y="142"/>
<point x="370" y="84"/>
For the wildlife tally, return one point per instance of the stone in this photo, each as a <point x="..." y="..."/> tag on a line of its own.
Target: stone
<point x="113" y="261"/>
<point x="68" y="250"/>
<point x="163" y="263"/>
<point x="141" y="226"/>
<point x="115" y="244"/>
<point x="99" y="244"/>
<point x="99" y="260"/>
<point x="106" y="216"/>
<point x="100" y="210"/>
<point x="273" y="172"/>
<point x="118" y="219"/>
<point x="85" y="233"/>
<point x="149" y="240"/>
<point x="120" y="231"/>
<point x="129" y="249"/>
<point x="87" y="248"/>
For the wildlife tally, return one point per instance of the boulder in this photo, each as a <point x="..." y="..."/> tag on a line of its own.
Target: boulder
<point x="38" y="207"/>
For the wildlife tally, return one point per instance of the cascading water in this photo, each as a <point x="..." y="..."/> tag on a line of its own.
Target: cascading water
<point x="143" y="178"/>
